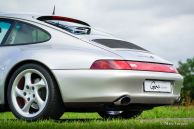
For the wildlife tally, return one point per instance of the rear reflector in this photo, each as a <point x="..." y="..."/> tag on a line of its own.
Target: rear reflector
<point x="152" y="67"/>
<point x="130" y="65"/>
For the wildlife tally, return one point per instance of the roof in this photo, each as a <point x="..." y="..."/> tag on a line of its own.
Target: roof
<point x="20" y="15"/>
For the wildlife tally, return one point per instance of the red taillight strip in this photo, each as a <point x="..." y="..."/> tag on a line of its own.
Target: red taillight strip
<point x="132" y="65"/>
<point x="142" y="66"/>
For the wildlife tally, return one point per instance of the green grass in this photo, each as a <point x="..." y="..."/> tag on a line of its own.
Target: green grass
<point x="158" y="118"/>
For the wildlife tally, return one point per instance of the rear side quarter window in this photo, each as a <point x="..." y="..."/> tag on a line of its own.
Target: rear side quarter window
<point x="24" y="33"/>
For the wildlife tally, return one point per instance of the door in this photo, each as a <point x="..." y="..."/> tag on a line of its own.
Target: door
<point x="5" y="28"/>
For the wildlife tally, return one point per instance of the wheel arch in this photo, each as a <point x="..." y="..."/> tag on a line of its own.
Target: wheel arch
<point x="15" y="67"/>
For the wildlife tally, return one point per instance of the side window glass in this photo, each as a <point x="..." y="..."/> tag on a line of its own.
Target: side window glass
<point x="23" y="33"/>
<point x="4" y="28"/>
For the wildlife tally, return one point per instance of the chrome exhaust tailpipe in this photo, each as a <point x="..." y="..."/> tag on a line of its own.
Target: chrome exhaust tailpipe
<point x="125" y="100"/>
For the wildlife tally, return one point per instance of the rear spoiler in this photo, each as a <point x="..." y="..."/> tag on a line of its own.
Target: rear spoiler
<point x="43" y="18"/>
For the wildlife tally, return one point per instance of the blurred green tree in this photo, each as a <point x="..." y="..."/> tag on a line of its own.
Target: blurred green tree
<point x="187" y="70"/>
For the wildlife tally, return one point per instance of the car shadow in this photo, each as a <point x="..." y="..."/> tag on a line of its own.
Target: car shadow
<point x="78" y="120"/>
<point x="56" y="121"/>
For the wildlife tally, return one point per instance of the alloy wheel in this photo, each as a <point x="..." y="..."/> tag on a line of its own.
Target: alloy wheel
<point x="29" y="93"/>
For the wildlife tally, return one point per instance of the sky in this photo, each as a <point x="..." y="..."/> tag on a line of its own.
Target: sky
<point x="164" y="27"/>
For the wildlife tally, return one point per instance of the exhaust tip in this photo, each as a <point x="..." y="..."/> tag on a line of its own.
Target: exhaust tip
<point x="125" y="100"/>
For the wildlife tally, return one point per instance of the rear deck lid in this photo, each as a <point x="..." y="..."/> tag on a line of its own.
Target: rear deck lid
<point x="130" y="51"/>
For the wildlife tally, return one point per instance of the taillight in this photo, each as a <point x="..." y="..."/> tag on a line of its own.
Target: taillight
<point x="110" y="64"/>
<point x="132" y="65"/>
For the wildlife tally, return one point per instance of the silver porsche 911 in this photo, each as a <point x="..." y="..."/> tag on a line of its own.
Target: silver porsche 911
<point x="52" y="64"/>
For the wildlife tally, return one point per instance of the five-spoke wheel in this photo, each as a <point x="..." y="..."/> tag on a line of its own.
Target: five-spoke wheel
<point x="32" y="94"/>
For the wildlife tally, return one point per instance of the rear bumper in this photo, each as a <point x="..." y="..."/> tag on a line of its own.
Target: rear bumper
<point x="107" y="86"/>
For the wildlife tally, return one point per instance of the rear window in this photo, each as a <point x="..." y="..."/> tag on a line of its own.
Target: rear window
<point x="113" y="43"/>
<point x="71" y="25"/>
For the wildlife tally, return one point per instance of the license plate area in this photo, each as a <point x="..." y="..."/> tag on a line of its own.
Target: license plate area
<point x="157" y="86"/>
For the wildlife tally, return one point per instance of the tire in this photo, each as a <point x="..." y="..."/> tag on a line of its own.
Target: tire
<point x="33" y="94"/>
<point x="119" y="114"/>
